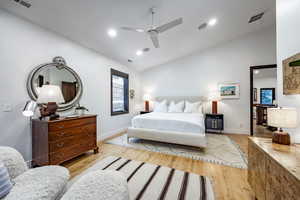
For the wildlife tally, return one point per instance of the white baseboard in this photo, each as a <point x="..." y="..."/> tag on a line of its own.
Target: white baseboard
<point x="106" y="135"/>
<point x="237" y="131"/>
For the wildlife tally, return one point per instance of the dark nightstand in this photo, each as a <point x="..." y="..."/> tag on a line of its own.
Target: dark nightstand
<point x="144" y="112"/>
<point x="214" y="123"/>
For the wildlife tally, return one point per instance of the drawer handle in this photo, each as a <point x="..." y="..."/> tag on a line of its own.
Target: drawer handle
<point x="60" y="144"/>
<point x="62" y="133"/>
<point x="60" y="156"/>
<point x="90" y="134"/>
<point x="62" y="126"/>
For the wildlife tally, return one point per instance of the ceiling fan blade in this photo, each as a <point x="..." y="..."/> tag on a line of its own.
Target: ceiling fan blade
<point x="139" y="30"/>
<point x="169" y="25"/>
<point x="154" y="38"/>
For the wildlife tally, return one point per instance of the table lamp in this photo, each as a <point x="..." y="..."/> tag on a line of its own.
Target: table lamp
<point x="49" y="96"/>
<point x="214" y="97"/>
<point x="147" y="98"/>
<point x="282" y="118"/>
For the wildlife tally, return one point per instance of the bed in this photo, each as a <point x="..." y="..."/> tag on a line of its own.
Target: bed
<point x="178" y="128"/>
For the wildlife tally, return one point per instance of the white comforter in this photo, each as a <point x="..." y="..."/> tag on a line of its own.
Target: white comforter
<point x="179" y="122"/>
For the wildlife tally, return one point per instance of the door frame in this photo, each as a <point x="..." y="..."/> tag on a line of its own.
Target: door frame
<point x="252" y="68"/>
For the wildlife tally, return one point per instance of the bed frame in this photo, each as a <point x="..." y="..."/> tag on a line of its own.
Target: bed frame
<point x="189" y="139"/>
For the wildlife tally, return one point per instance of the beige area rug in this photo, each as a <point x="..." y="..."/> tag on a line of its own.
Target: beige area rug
<point x="150" y="182"/>
<point x="220" y="150"/>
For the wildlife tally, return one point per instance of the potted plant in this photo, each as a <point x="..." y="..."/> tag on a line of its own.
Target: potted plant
<point x="80" y="110"/>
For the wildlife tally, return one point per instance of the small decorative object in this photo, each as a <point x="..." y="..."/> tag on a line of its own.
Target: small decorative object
<point x="255" y="94"/>
<point x="291" y="75"/>
<point x="131" y="93"/>
<point x="229" y="90"/>
<point x="60" y="61"/>
<point x="80" y="110"/>
<point x="29" y="109"/>
<point x="214" y="97"/>
<point x="147" y="98"/>
<point x="282" y="118"/>
<point x="49" y="97"/>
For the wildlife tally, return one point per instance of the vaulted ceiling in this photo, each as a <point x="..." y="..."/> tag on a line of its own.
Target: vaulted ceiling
<point x="87" y="22"/>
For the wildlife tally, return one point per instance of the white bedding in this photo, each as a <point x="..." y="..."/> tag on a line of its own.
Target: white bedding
<point x="179" y="122"/>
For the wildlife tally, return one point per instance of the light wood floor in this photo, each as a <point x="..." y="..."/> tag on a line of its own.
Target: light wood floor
<point x="229" y="183"/>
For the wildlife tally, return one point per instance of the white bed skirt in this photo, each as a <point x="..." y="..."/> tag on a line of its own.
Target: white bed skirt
<point x="189" y="139"/>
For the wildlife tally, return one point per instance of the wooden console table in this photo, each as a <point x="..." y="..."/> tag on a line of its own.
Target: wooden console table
<point x="273" y="169"/>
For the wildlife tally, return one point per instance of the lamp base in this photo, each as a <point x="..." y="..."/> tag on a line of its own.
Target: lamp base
<point x="214" y="107"/>
<point x="280" y="137"/>
<point x="147" y="106"/>
<point x="49" y="110"/>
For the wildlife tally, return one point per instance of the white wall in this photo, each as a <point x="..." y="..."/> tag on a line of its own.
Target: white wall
<point x="24" y="46"/>
<point x="268" y="82"/>
<point x="201" y="72"/>
<point x="288" y="44"/>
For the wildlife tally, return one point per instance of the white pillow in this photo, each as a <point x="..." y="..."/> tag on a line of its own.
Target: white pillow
<point x="160" y="106"/>
<point x="193" y="107"/>
<point x="176" y="108"/>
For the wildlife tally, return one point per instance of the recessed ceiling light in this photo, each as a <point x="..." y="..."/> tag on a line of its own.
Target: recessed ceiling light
<point x="112" y="33"/>
<point x="256" y="71"/>
<point x="139" y="53"/>
<point x="212" y="22"/>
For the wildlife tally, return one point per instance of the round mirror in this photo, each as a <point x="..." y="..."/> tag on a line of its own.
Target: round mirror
<point x="56" y="73"/>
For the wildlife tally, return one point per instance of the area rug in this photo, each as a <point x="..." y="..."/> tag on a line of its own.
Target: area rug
<point x="220" y="150"/>
<point x="150" y="182"/>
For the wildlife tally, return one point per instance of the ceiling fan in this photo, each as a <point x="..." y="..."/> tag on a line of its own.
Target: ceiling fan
<point x="154" y="31"/>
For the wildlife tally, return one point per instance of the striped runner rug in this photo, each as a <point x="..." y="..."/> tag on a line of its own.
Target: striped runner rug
<point x="150" y="182"/>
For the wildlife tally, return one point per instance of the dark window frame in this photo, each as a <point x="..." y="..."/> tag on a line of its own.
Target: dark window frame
<point x="114" y="72"/>
<point x="273" y="95"/>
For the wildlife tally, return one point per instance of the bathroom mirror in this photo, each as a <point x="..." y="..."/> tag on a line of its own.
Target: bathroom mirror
<point x="56" y="73"/>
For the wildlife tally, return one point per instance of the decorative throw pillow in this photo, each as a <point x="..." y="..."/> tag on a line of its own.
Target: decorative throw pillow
<point x="193" y="107"/>
<point x="176" y="107"/>
<point x="160" y="106"/>
<point x="5" y="183"/>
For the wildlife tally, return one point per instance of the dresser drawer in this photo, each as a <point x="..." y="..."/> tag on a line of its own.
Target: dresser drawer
<point x="61" y="125"/>
<point x="89" y="129"/>
<point x="71" y="152"/>
<point x="80" y="138"/>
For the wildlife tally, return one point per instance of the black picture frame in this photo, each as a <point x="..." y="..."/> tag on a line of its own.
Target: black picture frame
<point x="266" y="89"/>
<point x="255" y="94"/>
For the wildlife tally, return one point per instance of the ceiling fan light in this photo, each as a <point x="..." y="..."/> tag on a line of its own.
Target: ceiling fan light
<point x="212" y="22"/>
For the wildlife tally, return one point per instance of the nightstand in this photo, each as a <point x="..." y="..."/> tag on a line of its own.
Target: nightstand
<point x="214" y="123"/>
<point x="144" y="112"/>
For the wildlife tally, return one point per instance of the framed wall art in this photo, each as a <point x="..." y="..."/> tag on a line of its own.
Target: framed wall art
<point x="291" y="75"/>
<point x="229" y="90"/>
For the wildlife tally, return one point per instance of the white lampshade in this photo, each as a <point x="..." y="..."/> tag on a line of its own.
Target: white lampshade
<point x="50" y="93"/>
<point x="147" y="97"/>
<point x="282" y="117"/>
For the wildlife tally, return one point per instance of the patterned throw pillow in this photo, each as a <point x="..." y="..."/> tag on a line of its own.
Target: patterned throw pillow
<point x="5" y="183"/>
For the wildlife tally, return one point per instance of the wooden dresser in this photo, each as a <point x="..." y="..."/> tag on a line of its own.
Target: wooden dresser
<point x="56" y="141"/>
<point x="274" y="170"/>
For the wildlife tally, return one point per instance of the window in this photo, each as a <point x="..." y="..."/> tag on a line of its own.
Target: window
<point x="267" y="96"/>
<point x="119" y="92"/>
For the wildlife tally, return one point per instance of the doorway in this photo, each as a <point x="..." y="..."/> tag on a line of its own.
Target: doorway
<point x="263" y="91"/>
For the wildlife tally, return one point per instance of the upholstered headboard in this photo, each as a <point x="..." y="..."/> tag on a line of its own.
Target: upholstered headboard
<point x="182" y="98"/>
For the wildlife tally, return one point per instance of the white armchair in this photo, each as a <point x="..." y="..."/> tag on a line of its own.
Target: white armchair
<point x="49" y="182"/>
